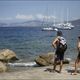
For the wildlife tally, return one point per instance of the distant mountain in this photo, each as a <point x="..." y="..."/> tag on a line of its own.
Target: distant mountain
<point x="76" y="22"/>
<point x="3" y="24"/>
<point x="34" y="23"/>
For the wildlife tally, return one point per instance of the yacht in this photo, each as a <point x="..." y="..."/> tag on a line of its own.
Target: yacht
<point x="47" y="29"/>
<point x="50" y="29"/>
<point x="69" y="25"/>
<point x="64" y="26"/>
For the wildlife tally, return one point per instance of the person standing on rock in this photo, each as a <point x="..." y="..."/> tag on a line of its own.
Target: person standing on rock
<point x="60" y="44"/>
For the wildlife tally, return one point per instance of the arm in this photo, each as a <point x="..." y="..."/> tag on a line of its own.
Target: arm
<point x="78" y="45"/>
<point x="55" y="42"/>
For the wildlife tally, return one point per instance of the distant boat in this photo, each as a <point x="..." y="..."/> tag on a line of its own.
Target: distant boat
<point x="65" y="26"/>
<point x="47" y="29"/>
<point x="68" y="25"/>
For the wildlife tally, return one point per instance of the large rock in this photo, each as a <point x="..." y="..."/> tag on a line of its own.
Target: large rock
<point x="7" y="55"/>
<point x="3" y="67"/>
<point x="44" y="59"/>
<point x="48" y="59"/>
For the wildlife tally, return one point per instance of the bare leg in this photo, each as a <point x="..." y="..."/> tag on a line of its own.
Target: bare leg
<point x="54" y="66"/>
<point x="61" y="64"/>
<point x="76" y="67"/>
<point x="76" y="64"/>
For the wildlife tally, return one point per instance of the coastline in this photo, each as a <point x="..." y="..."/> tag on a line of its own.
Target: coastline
<point x="38" y="73"/>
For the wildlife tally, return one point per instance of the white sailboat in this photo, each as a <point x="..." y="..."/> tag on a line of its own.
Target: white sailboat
<point x="47" y="26"/>
<point x="68" y="24"/>
<point x="65" y="26"/>
<point x="47" y="29"/>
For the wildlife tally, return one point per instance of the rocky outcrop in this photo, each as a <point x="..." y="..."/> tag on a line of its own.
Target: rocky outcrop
<point x="7" y="55"/>
<point x="48" y="59"/>
<point x="3" y="67"/>
<point x="44" y="59"/>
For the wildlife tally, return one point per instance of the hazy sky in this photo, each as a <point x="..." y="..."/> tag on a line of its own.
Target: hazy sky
<point x="18" y="11"/>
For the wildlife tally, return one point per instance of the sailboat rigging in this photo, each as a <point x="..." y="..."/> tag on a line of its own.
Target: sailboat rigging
<point x="66" y="26"/>
<point x="48" y="27"/>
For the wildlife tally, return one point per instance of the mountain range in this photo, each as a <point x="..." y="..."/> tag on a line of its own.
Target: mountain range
<point x="34" y="23"/>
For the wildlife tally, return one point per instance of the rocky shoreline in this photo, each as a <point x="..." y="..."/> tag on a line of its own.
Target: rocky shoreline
<point x="29" y="71"/>
<point x="6" y="56"/>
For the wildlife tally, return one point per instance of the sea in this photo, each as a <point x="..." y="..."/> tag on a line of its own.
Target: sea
<point x="29" y="42"/>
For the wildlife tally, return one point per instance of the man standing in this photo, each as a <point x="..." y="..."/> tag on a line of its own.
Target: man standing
<point x="60" y="44"/>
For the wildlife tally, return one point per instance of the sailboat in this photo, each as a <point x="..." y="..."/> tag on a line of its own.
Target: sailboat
<point x="47" y="29"/>
<point x="68" y="24"/>
<point x="47" y="26"/>
<point x="65" y="26"/>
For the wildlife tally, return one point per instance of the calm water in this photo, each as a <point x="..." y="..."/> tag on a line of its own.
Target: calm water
<point x="29" y="42"/>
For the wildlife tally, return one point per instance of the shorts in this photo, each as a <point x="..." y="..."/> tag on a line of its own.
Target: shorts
<point x="60" y="55"/>
<point x="60" y="51"/>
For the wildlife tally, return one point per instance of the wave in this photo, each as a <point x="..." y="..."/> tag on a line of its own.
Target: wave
<point x="28" y="64"/>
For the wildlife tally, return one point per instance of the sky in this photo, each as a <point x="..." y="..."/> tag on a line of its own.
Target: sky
<point x="21" y="10"/>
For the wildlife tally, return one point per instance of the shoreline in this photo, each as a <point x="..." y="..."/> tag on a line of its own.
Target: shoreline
<point x="38" y="73"/>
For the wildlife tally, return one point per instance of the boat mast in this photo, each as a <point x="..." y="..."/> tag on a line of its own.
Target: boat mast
<point x="62" y="17"/>
<point x="47" y="16"/>
<point x="54" y="19"/>
<point x="67" y="15"/>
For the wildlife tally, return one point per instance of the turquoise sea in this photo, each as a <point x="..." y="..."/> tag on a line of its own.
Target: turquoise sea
<point x="29" y="42"/>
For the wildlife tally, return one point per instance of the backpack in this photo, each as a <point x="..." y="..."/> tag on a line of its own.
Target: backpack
<point x="62" y="40"/>
<point x="62" y="43"/>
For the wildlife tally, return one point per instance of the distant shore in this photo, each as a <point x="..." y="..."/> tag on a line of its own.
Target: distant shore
<point x="38" y="73"/>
